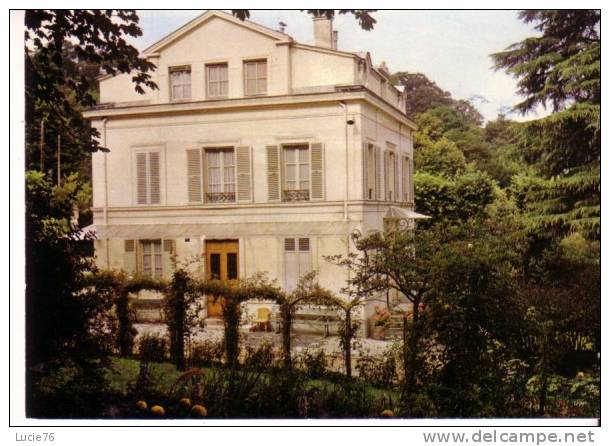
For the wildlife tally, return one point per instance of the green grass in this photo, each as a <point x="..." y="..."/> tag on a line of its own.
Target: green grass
<point x="123" y="373"/>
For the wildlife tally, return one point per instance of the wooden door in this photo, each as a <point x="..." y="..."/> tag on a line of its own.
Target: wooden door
<point x="222" y="260"/>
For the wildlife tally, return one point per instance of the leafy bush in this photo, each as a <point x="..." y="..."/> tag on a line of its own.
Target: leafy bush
<point x="153" y="348"/>
<point x="206" y="353"/>
<point x="313" y="362"/>
<point x="379" y="370"/>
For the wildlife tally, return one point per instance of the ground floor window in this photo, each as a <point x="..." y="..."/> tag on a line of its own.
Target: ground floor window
<point x="151" y="260"/>
<point x="297" y="260"/>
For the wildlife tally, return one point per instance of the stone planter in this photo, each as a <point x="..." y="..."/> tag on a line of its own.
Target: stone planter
<point x="378" y="333"/>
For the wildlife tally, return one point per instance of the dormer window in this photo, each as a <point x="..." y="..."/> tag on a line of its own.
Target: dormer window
<point x="180" y="83"/>
<point x="255" y="77"/>
<point x="217" y="80"/>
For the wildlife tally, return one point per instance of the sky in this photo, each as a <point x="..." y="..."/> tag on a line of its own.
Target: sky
<point x="452" y="48"/>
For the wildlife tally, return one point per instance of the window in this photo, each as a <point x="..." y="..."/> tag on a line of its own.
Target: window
<point x="151" y="258"/>
<point x="406" y="179"/>
<point x="148" y="178"/>
<point x="180" y="83"/>
<point x="297" y="261"/>
<point x="255" y="77"/>
<point x="390" y="176"/>
<point x="371" y="172"/>
<point x="220" y="165"/>
<point x="217" y="80"/>
<point x="296" y="168"/>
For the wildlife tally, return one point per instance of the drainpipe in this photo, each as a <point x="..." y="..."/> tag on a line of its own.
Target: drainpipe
<point x="106" y="190"/>
<point x="345" y="216"/>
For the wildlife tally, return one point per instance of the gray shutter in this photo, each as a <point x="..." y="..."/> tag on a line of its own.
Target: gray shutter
<point x="317" y="171"/>
<point x="129" y="256"/>
<point x="154" y="173"/>
<point x="273" y="173"/>
<point x="193" y="172"/>
<point x="378" y="173"/>
<point x="365" y="171"/>
<point x="243" y="165"/>
<point x="141" y="179"/>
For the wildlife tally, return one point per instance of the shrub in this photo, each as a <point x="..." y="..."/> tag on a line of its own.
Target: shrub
<point x="153" y="348"/>
<point x="313" y="362"/>
<point x="207" y="352"/>
<point x="381" y="370"/>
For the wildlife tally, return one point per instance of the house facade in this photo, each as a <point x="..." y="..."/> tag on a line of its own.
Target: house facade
<point x="256" y="154"/>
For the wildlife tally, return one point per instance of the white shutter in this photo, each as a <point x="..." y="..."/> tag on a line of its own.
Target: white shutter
<point x="304" y="257"/>
<point x="193" y="173"/>
<point x="386" y="175"/>
<point x="291" y="264"/>
<point x="169" y="248"/>
<point x="244" y="173"/>
<point x="273" y="173"/>
<point x="379" y="173"/>
<point x="317" y="171"/>
<point x="154" y="173"/>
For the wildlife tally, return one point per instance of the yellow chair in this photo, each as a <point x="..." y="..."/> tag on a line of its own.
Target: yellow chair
<point x="263" y="318"/>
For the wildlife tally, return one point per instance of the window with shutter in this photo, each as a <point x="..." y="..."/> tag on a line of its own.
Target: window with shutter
<point x="148" y="178"/>
<point x="390" y="175"/>
<point x="220" y="175"/>
<point x="370" y="171"/>
<point x="151" y="258"/>
<point x="129" y="256"/>
<point x="296" y="172"/>
<point x="297" y="261"/>
<point x="378" y="173"/>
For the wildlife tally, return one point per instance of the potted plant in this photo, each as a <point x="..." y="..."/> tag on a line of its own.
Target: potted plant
<point x="380" y="321"/>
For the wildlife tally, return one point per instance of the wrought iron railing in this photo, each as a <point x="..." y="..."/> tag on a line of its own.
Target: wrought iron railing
<point x="296" y="195"/>
<point x="220" y="197"/>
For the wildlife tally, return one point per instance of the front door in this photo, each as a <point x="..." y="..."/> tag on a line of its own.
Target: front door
<point x="222" y="258"/>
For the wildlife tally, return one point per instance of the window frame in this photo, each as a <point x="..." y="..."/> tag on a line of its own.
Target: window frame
<point x="298" y="252"/>
<point x="220" y="82"/>
<point x="299" y="193"/>
<point x="176" y="69"/>
<point x="154" y="256"/>
<point x="205" y="174"/>
<point x="256" y="79"/>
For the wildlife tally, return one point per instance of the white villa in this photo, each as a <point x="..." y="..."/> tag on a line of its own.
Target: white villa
<point x="257" y="154"/>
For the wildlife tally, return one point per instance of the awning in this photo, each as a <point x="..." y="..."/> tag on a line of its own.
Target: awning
<point x="217" y="230"/>
<point x="403" y="214"/>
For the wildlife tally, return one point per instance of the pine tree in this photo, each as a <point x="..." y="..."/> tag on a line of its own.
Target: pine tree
<point x="559" y="68"/>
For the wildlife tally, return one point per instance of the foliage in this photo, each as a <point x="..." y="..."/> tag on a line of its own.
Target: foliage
<point x="422" y="93"/>
<point x="65" y="52"/>
<point x="379" y="370"/>
<point x="181" y="308"/>
<point x="441" y="157"/>
<point x="152" y="347"/>
<point x="560" y="67"/>
<point x="363" y="16"/>
<point x="313" y="362"/>
<point x="206" y="353"/>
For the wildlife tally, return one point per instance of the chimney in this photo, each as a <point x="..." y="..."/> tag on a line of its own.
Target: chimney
<point x="323" y="32"/>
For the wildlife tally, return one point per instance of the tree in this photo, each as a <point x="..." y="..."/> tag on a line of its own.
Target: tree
<point x="65" y="51"/>
<point x="422" y="93"/>
<point x="363" y="16"/>
<point x="561" y="68"/>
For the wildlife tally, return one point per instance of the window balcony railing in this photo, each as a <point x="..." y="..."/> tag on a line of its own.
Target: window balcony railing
<point x="220" y="197"/>
<point x="296" y="195"/>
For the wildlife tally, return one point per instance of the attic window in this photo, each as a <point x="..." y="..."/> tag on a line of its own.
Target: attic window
<point x="217" y="80"/>
<point x="180" y="83"/>
<point x="255" y="77"/>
